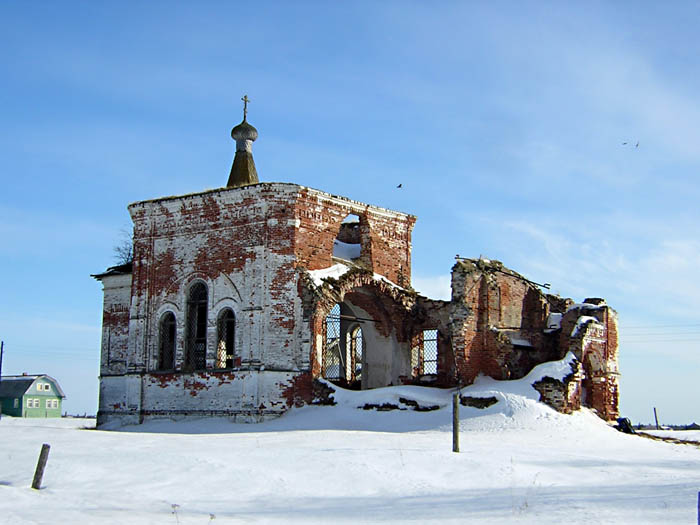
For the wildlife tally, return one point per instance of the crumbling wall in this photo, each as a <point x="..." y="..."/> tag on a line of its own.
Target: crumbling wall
<point x="385" y="235"/>
<point x="562" y="395"/>
<point x="498" y="318"/>
<point x="590" y="331"/>
<point x="501" y="326"/>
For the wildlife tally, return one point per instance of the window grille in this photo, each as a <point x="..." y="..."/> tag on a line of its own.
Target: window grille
<point x="226" y="339"/>
<point x="356" y="351"/>
<point x="197" y="327"/>
<point x="424" y="353"/>
<point x="331" y="359"/>
<point x="166" y="354"/>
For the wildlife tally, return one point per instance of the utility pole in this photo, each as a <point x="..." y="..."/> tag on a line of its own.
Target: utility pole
<point x="2" y="349"/>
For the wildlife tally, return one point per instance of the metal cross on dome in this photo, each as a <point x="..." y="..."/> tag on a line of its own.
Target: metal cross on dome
<point x="245" y="100"/>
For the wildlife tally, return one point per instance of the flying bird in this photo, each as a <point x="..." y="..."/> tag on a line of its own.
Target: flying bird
<point x="624" y="143"/>
<point x="399" y="185"/>
<point x="637" y="144"/>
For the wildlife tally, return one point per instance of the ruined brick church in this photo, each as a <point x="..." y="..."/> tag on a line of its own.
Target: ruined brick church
<point x="238" y="299"/>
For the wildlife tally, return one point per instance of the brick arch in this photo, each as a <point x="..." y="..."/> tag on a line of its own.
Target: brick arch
<point x="388" y="305"/>
<point x="390" y="296"/>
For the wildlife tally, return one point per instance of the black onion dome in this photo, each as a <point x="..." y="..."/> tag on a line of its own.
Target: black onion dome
<point x="244" y="131"/>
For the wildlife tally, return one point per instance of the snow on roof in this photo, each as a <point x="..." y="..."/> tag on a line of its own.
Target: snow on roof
<point x="585" y="306"/>
<point x="516" y="339"/>
<point x="338" y="270"/>
<point x="514" y="336"/>
<point x="378" y="277"/>
<point x="553" y="322"/>
<point x="582" y="322"/>
<point x="333" y="272"/>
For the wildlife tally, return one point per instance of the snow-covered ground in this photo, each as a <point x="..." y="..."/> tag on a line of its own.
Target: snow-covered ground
<point x="520" y="462"/>
<point x="684" y="435"/>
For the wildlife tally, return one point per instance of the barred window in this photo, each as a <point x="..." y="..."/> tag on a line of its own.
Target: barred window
<point x="226" y="339"/>
<point x="197" y="327"/>
<point x="424" y="354"/>
<point x="355" y="347"/>
<point x="333" y="362"/>
<point x="166" y="347"/>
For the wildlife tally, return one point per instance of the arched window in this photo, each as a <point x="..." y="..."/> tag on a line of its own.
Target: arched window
<point x="166" y="342"/>
<point x="197" y="327"/>
<point x="355" y="348"/>
<point x="226" y="339"/>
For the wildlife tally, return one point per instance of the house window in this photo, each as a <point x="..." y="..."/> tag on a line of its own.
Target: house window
<point x="16" y="403"/>
<point x="48" y="403"/>
<point x="30" y="403"/>
<point x="166" y="336"/>
<point x="197" y="327"/>
<point x="37" y="403"/>
<point x="47" y="387"/>
<point x="226" y="339"/>
<point x="55" y="403"/>
<point x="40" y="386"/>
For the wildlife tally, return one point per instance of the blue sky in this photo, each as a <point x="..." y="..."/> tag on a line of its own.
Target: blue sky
<point x="504" y="122"/>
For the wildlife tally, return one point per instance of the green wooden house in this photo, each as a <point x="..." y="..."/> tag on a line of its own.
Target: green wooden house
<point x="30" y="396"/>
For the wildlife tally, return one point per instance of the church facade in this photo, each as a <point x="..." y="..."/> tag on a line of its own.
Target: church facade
<point x="238" y="299"/>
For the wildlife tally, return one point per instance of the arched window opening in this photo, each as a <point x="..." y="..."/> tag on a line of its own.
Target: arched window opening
<point x="226" y="338"/>
<point x="348" y="243"/>
<point x="197" y="327"/>
<point x="166" y="346"/>
<point x="424" y="354"/>
<point x="355" y="351"/>
<point x="332" y="362"/>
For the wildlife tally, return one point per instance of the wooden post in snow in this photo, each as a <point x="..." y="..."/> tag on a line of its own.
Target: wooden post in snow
<point x="41" y="464"/>
<point x="455" y="422"/>
<point x="656" y="419"/>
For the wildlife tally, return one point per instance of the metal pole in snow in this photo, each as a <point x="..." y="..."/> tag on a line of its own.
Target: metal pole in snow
<point x="455" y="422"/>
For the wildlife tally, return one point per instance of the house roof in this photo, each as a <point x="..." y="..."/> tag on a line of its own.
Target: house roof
<point x="120" y="269"/>
<point x="16" y="386"/>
